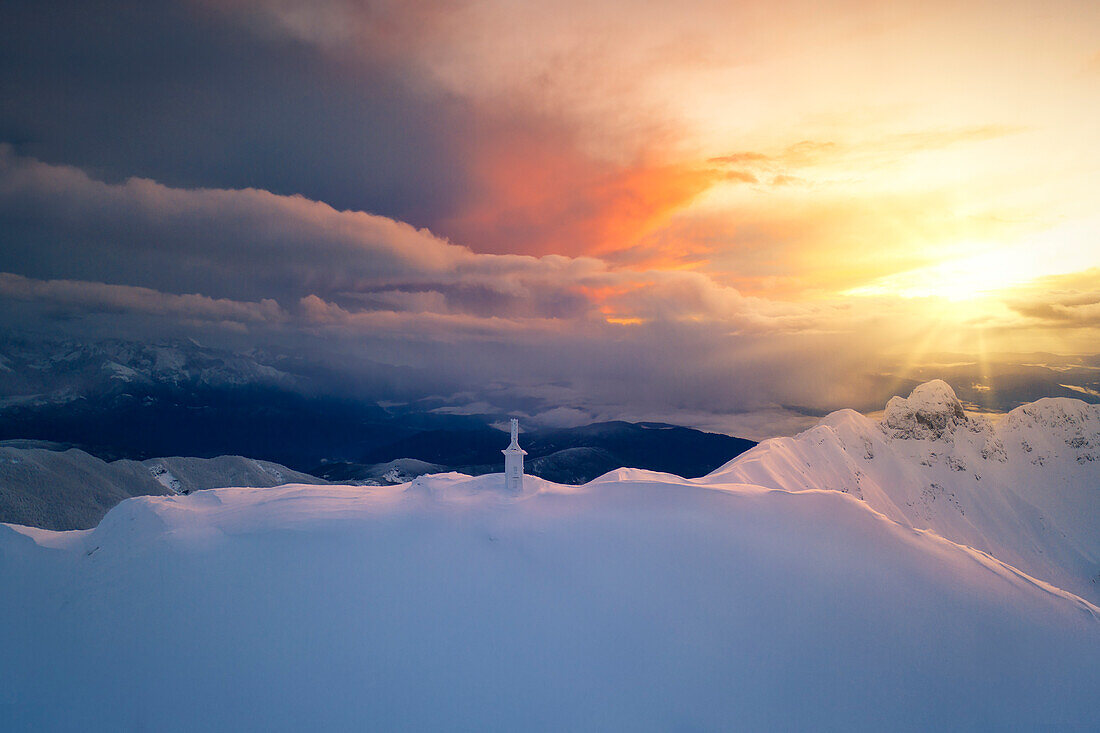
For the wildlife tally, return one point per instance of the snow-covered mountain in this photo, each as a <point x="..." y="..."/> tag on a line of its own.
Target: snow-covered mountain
<point x="1025" y="488"/>
<point x="126" y="399"/>
<point x="397" y="471"/>
<point x="562" y="455"/>
<point x="70" y="489"/>
<point x="924" y="571"/>
<point x="639" y="601"/>
<point x="34" y="373"/>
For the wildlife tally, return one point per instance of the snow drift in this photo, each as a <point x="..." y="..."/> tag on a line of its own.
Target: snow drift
<point x="640" y="601"/>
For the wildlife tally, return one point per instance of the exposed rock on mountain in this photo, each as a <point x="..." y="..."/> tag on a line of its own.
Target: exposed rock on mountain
<point x="1025" y="489"/>
<point x="931" y="412"/>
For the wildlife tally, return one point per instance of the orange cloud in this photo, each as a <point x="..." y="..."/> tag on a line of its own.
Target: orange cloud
<point x="539" y="194"/>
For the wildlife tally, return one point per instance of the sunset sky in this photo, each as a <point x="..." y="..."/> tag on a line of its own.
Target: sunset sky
<point x="642" y="210"/>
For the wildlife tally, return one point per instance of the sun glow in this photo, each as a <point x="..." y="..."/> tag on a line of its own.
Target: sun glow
<point x="988" y="271"/>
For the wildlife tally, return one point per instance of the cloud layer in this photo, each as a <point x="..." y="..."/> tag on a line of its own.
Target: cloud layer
<point x="354" y="290"/>
<point x="328" y="265"/>
<point x="589" y="210"/>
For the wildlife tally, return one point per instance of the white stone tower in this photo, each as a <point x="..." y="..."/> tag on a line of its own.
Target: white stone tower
<point x="513" y="462"/>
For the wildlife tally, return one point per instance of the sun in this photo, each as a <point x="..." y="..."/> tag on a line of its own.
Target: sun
<point x="988" y="270"/>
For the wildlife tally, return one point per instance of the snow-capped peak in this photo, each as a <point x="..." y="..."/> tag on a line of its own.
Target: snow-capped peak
<point x="1068" y="418"/>
<point x="932" y="411"/>
<point x="1022" y="489"/>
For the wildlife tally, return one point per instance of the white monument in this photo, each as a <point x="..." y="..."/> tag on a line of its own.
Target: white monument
<point x="513" y="462"/>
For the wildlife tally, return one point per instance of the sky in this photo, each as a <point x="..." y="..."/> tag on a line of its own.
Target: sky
<point x="732" y="214"/>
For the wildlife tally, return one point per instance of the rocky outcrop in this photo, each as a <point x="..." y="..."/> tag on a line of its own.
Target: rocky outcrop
<point x="931" y="412"/>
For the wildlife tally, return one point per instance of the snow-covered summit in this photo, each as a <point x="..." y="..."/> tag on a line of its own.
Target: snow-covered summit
<point x="1059" y="419"/>
<point x="1026" y="489"/>
<point x="849" y="577"/>
<point x="932" y="411"/>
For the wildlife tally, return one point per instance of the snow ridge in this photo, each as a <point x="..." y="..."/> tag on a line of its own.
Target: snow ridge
<point x="1026" y="490"/>
<point x="845" y="578"/>
<point x="640" y="601"/>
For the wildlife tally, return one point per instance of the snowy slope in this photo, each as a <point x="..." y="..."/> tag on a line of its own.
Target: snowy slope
<point x="66" y="489"/>
<point x="1026" y="489"/>
<point x="62" y="371"/>
<point x="183" y="474"/>
<point x="71" y="489"/>
<point x="639" y="601"/>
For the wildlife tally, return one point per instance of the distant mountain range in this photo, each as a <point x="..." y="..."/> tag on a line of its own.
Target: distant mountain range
<point x="54" y="486"/>
<point x="76" y="416"/>
<point x="864" y="568"/>
<point x="119" y="399"/>
<point x="70" y="489"/>
<point x="570" y="456"/>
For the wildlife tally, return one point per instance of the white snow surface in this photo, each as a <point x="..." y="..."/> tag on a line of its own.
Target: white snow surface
<point x="1025" y="489"/>
<point x="640" y="601"/>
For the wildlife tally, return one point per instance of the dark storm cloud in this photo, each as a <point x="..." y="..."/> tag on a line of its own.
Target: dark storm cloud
<point x="58" y="223"/>
<point x="149" y="189"/>
<point x="81" y="297"/>
<point x="191" y="97"/>
<point x="260" y="95"/>
<point x="136" y="258"/>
